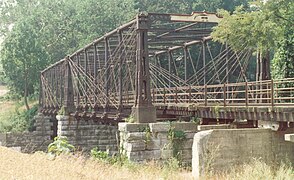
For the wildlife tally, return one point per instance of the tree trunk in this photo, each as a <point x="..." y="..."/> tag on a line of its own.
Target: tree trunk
<point x="26" y="92"/>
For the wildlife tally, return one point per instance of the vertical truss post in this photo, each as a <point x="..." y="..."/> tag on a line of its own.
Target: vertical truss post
<point x="106" y="76"/>
<point x="40" y="93"/>
<point x="52" y="85"/>
<point x="95" y="72"/>
<point x="68" y="89"/>
<point x="78" y="83"/>
<point x="143" y="110"/>
<point x="169" y="67"/>
<point x="257" y="65"/>
<point x="204" y="62"/>
<point x="257" y="75"/>
<point x="156" y="73"/>
<point x="185" y="61"/>
<point x="120" y="75"/>
<point x="227" y="64"/>
<point x="86" y="72"/>
<point x="61" y="90"/>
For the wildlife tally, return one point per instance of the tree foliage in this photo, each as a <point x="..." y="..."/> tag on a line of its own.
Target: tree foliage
<point x="40" y="32"/>
<point x="22" y="57"/>
<point x="262" y="27"/>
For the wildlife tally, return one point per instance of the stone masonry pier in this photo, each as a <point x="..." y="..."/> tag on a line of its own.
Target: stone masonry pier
<point x="88" y="134"/>
<point x="37" y="140"/>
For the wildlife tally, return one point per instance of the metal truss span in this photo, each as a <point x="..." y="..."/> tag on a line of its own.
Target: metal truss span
<point x="155" y="61"/>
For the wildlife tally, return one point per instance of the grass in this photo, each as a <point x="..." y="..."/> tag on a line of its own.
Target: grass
<point x="257" y="169"/>
<point x="12" y="112"/>
<point x="16" y="165"/>
<point x="6" y="109"/>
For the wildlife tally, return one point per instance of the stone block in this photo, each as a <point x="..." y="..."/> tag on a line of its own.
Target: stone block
<point x="187" y="144"/>
<point x="208" y="127"/>
<point x="166" y="153"/>
<point x="159" y="127"/>
<point x="185" y="126"/>
<point x="132" y="127"/>
<point x="135" y="136"/>
<point x="154" y="144"/>
<point x="144" y="155"/>
<point x="289" y="137"/>
<point x="143" y="114"/>
<point x="190" y="135"/>
<point x="135" y="146"/>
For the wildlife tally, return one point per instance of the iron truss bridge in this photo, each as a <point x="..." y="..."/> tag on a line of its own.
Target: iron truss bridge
<point x="165" y="66"/>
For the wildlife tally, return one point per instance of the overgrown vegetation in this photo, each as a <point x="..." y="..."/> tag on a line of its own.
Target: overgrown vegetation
<point x="60" y="146"/>
<point x="263" y="26"/>
<point x="256" y="169"/>
<point x="39" y="166"/>
<point x="15" y="118"/>
<point x="130" y="119"/>
<point x="176" y="140"/>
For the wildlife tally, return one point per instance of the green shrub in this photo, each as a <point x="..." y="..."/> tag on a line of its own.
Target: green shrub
<point x="100" y="155"/>
<point x="130" y="119"/>
<point x="20" y="120"/>
<point x="115" y="159"/>
<point x="60" y="146"/>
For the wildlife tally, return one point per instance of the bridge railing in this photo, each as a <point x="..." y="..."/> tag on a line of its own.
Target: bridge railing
<point x="257" y="93"/>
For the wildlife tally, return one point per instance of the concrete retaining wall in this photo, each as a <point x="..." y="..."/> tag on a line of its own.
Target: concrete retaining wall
<point x="37" y="140"/>
<point x="222" y="149"/>
<point x="88" y="134"/>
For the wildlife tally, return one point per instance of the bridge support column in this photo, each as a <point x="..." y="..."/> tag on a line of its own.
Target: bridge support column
<point x="68" y="89"/>
<point x="143" y="110"/>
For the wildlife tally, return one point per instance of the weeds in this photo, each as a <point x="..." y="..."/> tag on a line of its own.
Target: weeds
<point x="130" y="119"/>
<point x="60" y="146"/>
<point x="256" y="169"/>
<point x="19" y="120"/>
<point x="176" y="138"/>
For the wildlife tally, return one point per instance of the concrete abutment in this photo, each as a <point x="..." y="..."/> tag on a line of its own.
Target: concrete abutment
<point x="222" y="149"/>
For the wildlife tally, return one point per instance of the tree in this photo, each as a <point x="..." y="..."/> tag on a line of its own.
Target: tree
<point x="283" y="62"/>
<point x="214" y="5"/>
<point x="22" y="57"/>
<point x="260" y="27"/>
<point x="38" y="33"/>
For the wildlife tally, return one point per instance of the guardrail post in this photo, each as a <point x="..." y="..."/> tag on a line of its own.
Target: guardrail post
<point x="225" y="95"/>
<point x="164" y="97"/>
<point x="205" y="94"/>
<point x="272" y="93"/>
<point x="190" y="94"/>
<point x="176" y="95"/>
<point x="246" y="93"/>
<point x="153" y="95"/>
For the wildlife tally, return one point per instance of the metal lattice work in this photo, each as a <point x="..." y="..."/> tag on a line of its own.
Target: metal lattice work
<point x="156" y="60"/>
